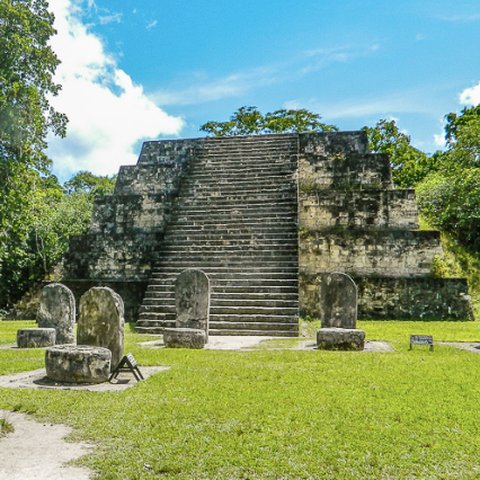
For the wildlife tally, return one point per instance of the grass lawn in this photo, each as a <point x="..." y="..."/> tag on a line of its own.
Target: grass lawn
<point x="278" y="414"/>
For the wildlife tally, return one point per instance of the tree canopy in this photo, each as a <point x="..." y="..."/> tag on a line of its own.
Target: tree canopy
<point x="250" y="121"/>
<point x="409" y="165"/>
<point x="27" y="66"/>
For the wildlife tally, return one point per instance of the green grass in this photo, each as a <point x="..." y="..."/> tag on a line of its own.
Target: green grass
<point x="279" y="414"/>
<point x="5" y="427"/>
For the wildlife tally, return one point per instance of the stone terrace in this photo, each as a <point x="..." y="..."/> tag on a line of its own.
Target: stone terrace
<point x="263" y="216"/>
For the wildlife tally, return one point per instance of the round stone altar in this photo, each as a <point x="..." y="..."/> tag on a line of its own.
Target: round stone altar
<point x="184" y="337"/>
<point x="35" y="337"/>
<point x="78" y="364"/>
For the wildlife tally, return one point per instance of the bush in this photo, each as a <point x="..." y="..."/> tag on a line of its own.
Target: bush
<point x="450" y="201"/>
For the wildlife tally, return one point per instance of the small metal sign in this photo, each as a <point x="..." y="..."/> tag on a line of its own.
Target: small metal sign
<point x="421" y="340"/>
<point x="127" y="364"/>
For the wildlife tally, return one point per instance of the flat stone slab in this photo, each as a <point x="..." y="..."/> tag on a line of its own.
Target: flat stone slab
<point x="38" y="380"/>
<point x="473" y="347"/>
<point x="246" y="343"/>
<point x="184" y="338"/>
<point x="36" y="337"/>
<point x="78" y="363"/>
<point x="340" y="339"/>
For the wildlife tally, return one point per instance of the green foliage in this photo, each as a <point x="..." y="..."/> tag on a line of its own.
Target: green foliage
<point x="87" y="182"/>
<point x="27" y="65"/>
<point x="462" y="133"/>
<point x="459" y="262"/>
<point x="51" y="219"/>
<point x="451" y="202"/>
<point x="5" y="427"/>
<point x="286" y="414"/>
<point x="250" y="121"/>
<point x="409" y="165"/>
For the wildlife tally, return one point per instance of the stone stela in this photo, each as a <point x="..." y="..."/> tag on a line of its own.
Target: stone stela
<point x="101" y="321"/>
<point x="192" y="302"/>
<point x="338" y="304"/>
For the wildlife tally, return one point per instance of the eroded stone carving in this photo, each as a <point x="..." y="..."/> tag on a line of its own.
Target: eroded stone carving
<point x="338" y="301"/>
<point x="101" y="321"/>
<point x="57" y="310"/>
<point x="192" y="299"/>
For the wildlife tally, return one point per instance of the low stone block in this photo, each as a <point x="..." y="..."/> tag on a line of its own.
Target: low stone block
<point x="36" y="337"/>
<point x="340" y="339"/>
<point x="184" y="337"/>
<point x="78" y="364"/>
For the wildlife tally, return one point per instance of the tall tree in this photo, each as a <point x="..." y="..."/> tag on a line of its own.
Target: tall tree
<point x="250" y="121"/>
<point x="409" y="165"/>
<point x="27" y="66"/>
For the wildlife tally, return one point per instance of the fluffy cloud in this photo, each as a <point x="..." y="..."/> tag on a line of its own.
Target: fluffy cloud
<point x="471" y="96"/>
<point x="108" y="113"/>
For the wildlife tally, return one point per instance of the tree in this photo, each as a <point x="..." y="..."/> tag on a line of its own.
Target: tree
<point x="409" y="165"/>
<point x="450" y="197"/>
<point x="87" y="182"/>
<point x="451" y="202"/>
<point x="27" y="65"/>
<point x="250" y="121"/>
<point x="462" y="134"/>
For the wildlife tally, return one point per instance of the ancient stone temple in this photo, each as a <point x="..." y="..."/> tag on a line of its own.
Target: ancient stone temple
<point x="262" y="216"/>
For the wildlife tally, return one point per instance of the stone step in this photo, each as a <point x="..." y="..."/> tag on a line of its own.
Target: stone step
<point x="291" y="325"/>
<point x="246" y="311"/>
<point x="230" y="249"/>
<point x="270" y="217"/>
<point x="225" y="279"/>
<point x="279" y="225"/>
<point x="217" y="233"/>
<point x="220" y="204"/>
<point x="151" y="300"/>
<point x="233" y="271"/>
<point x="158" y="330"/>
<point x="206" y="172"/>
<point x="227" y="298"/>
<point x="239" y="288"/>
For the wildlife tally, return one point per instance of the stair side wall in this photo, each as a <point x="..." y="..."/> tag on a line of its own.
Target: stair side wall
<point x="126" y="227"/>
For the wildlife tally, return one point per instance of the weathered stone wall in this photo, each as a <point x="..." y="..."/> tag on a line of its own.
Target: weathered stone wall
<point x="401" y="298"/>
<point x="352" y="220"/>
<point x="358" y="209"/>
<point x="127" y="227"/>
<point x="368" y="252"/>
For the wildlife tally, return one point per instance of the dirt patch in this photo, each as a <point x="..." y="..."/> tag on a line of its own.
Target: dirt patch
<point x="38" y="451"/>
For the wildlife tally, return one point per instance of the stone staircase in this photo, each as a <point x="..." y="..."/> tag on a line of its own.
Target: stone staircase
<point x="236" y="219"/>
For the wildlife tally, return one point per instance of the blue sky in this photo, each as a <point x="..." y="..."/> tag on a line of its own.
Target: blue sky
<point x="160" y="68"/>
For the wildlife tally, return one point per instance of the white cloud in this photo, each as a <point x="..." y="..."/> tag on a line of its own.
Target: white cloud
<point x="230" y="86"/>
<point x="471" y="96"/>
<point x="108" y="113"/>
<point x="111" y="18"/>
<point x="151" y="24"/>
<point x="460" y="18"/>
<point x="439" y="140"/>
